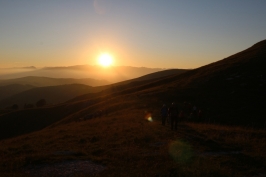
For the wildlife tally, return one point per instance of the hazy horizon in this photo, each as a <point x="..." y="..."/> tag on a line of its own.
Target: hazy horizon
<point x="95" y="65"/>
<point x="111" y="74"/>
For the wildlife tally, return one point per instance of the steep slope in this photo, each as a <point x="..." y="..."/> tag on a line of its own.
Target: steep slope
<point x="132" y="83"/>
<point x="230" y="91"/>
<point x="160" y="74"/>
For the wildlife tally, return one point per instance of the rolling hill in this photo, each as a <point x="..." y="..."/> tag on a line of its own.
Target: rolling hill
<point x="52" y="94"/>
<point x="230" y="91"/>
<point x="111" y="126"/>
<point x="9" y="90"/>
<point x="137" y="81"/>
<point x="23" y="94"/>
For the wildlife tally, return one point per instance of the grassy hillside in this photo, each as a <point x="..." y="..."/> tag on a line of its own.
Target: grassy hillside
<point x="118" y="130"/>
<point x="208" y="87"/>
<point x="132" y="83"/>
<point x="161" y="74"/>
<point x="124" y="143"/>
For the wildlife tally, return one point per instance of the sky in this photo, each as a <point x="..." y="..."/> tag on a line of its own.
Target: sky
<point x="143" y="33"/>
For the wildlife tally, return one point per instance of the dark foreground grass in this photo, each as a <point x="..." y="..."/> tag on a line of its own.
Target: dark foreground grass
<point x="127" y="144"/>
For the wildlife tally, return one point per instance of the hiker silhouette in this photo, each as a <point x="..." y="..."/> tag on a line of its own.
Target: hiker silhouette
<point x="173" y="113"/>
<point x="164" y="113"/>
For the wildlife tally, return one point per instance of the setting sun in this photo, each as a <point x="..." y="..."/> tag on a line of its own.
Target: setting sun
<point x="105" y="60"/>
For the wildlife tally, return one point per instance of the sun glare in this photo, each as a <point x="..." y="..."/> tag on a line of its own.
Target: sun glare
<point x="105" y="60"/>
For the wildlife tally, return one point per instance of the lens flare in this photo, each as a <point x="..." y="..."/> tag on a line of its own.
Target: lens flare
<point x="148" y="116"/>
<point x="150" y="119"/>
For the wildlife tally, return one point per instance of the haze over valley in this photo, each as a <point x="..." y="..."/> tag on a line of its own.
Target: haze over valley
<point x="110" y="74"/>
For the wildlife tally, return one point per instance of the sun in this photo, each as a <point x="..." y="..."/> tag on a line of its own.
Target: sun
<point x="105" y="60"/>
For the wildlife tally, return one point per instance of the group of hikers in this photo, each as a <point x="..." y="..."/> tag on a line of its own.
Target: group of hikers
<point x="173" y="115"/>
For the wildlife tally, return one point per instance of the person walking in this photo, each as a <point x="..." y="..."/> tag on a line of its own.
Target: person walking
<point x="173" y="113"/>
<point x="164" y="112"/>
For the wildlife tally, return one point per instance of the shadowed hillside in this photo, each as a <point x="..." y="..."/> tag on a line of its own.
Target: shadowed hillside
<point x="118" y="128"/>
<point x="156" y="75"/>
<point x="8" y="90"/>
<point x="52" y="95"/>
<point x="229" y="92"/>
<point x="135" y="82"/>
<point x="62" y="93"/>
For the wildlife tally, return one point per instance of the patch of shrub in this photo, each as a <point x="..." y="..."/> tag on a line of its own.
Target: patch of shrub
<point x="28" y="106"/>
<point x="41" y="103"/>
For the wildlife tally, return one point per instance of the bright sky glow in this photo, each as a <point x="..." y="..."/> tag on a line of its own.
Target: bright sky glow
<point x="149" y="33"/>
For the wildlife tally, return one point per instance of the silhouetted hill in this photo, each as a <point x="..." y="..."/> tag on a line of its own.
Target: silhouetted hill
<point x="159" y="74"/>
<point x="230" y="91"/>
<point x="46" y="81"/>
<point x="137" y="81"/>
<point x="8" y="90"/>
<point x="47" y="92"/>
<point x="52" y="94"/>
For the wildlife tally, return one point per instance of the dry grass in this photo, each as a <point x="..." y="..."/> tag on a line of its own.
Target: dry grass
<point x="252" y="141"/>
<point x="129" y="145"/>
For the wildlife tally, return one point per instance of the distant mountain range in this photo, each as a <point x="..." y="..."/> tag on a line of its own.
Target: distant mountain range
<point x="20" y="68"/>
<point x="46" y="81"/>
<point x="111" y="74"/>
